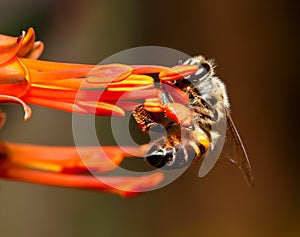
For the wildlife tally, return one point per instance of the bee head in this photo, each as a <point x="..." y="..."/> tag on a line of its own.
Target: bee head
<point x="205" y="71"/>
<point x="206" y="82"/>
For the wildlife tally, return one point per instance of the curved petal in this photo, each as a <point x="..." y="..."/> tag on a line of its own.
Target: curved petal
<point x="101" y="108"/>
<point x="8" y="98"/>
<point x="26" y="43"/>
<point x="36" y="50"/>
<point x="9" y="46"/>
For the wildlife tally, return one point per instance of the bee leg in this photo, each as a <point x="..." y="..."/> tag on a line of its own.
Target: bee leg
<point x="144" y="119"/>
<point x="179" y="113"/>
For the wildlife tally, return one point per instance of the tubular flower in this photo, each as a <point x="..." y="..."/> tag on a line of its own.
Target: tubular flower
<point x="74" y="88"/>
<point x="62" y="166"/>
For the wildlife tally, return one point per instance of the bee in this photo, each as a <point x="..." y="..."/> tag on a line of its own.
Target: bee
<point x="186" y="131"/>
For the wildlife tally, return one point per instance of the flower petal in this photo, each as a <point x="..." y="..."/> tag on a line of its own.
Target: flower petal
<point x="101" y="108"/>
<point x="15" y="166"/>
<point x="154" y="105"/>
<point x="147" y="69"/>
<point x="178" y="95"/>
<point x="177" y="72"/>
<point x="41" y="65"/>
<point x="67" y="106"/>
<point x="69" y="78"/>
<point x="117" y="95"/>
<point x="9" y="46"/>
<point x="13" y="78"/>
<point x="133" y="82"/>
<point x="124" y="186"/>
<point x="27" y="43"/>
<point x="8" y="98"/>
<point x="66" y="159"/>
<point x="36" y="51"/>
<point x="108" y="73"/>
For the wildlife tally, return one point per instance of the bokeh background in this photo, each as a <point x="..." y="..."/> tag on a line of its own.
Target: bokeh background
<point x="256" y="46"/>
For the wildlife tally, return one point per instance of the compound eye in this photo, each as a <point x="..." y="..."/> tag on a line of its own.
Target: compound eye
<point x="202" y="72"/>
<point x="206" y="66"/>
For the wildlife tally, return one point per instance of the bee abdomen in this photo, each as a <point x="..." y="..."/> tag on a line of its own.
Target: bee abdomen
<point x="173" y="157"/>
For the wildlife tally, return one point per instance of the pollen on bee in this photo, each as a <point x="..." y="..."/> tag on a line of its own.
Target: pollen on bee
<point x="204" y="140"/>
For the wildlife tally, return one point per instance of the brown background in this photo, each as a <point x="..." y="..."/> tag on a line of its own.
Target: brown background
<point x="255" y="44"/>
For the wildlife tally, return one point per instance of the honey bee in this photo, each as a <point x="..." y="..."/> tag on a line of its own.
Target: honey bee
<point x="187" y="131"/>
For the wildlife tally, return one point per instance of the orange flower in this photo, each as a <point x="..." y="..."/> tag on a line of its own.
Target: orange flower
<point x="62" y="166"/>
<point x="74" y="88"/>
<point x="56" y="85"/>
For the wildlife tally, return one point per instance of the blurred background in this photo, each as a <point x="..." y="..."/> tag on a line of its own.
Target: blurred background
<point x="256" y="46"/>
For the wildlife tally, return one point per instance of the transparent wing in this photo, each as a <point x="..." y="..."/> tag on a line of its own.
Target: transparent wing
<point x="235" y="151"/>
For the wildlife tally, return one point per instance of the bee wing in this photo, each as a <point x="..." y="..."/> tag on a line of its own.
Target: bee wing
<point x="235" y="151"/>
